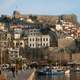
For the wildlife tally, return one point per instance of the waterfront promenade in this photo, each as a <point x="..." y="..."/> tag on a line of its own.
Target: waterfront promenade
<point x="21" y="75"/>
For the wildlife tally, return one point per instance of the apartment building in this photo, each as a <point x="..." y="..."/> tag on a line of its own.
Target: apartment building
<point x="38" y="41"/>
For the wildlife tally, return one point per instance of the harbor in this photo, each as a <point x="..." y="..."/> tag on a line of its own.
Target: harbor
<point x="46" y="72"/>
<point x="39" y="40"/>
<point x="73" y="76"/>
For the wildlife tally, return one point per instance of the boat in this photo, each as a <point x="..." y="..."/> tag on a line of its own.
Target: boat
<point x="67" y="72"/>
<point x="50" y="71"/>
<point x="77" y="69"/>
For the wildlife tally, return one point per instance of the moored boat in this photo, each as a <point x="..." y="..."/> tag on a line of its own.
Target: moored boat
<point x="50" y="71"/>
<point x="77" y="69"/>
<point x="67" y="72"/>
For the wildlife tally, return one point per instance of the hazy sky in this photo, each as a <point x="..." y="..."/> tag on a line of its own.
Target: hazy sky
<point x="41" y="7"/>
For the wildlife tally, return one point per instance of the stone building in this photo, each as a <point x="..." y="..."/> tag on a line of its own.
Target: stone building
<point x="38" y="41"/>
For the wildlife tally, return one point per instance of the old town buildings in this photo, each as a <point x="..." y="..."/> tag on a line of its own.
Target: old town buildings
<point x="35" y="32"/>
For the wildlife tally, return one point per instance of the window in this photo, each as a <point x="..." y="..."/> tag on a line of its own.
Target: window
<point x="43" y="39"/>
<point x="17" y="44"/>
<point x="38" y="45"/>
<point x="30" y="39"/>
<point x="21" y="43"/>
<point x="33" y="45"/>
<point x="31" y="34"/>
<point x="36" y="39"/>
<point x="46" y="39"/>
<point x="33" y="39"/>
<point x="30" y="45"/>
<point x="43" y="44"/>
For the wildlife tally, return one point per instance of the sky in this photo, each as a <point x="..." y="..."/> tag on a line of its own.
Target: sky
<point x="41" y="7"/>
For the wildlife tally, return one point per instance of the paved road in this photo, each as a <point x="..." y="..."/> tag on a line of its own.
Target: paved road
<point x="21" y="75"/>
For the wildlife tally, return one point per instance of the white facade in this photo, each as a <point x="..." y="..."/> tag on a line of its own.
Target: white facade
<point x="59" y="27"/>
<point x="38" y="41"/>
<point x="17" y="36"/>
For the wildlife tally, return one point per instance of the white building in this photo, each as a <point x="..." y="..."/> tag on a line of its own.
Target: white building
<point x="17" y="36"/>
<point x="38" y="41"/>
<point x="59" y="27"/>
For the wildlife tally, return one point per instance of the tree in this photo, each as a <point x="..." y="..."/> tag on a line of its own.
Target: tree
<point x="70" y="50"/>
<point x="34" y="18"/>
<point x="19" y="63"/>
<point x="68" y="44"/>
